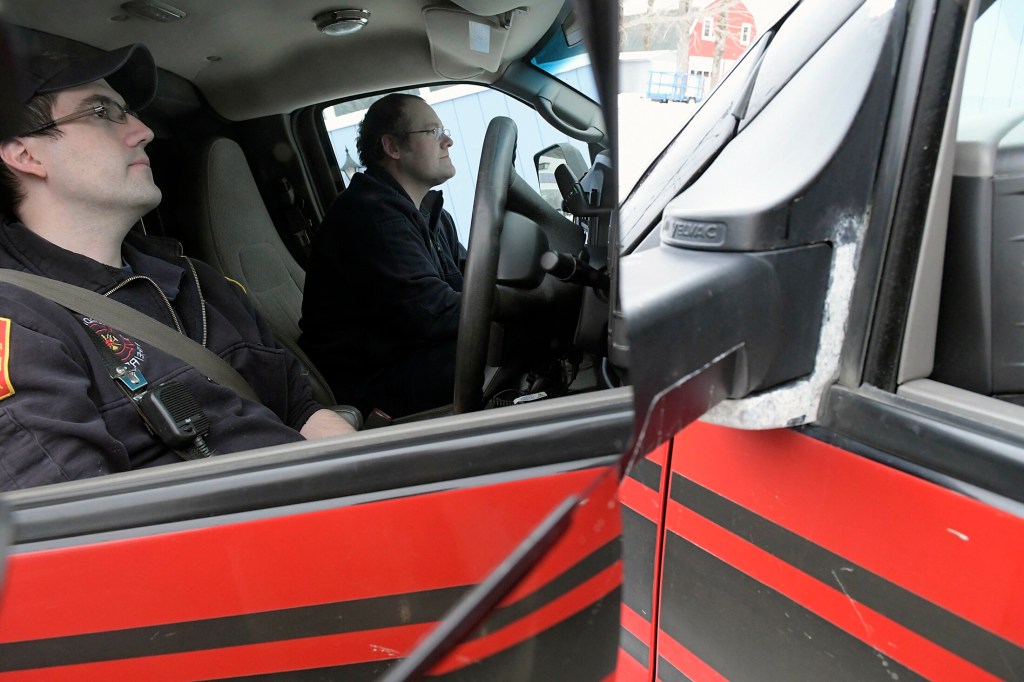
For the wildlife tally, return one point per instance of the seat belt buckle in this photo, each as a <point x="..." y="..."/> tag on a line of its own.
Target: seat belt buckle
<point x="376" y="419"/>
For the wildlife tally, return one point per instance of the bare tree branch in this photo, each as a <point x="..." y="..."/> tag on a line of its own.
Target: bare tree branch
<point x="655" y="25"/>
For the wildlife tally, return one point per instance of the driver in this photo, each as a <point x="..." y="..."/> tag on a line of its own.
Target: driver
<point x="380" y="313"/>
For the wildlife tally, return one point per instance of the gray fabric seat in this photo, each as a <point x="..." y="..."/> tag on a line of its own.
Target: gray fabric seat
<point x="234" y="233"/>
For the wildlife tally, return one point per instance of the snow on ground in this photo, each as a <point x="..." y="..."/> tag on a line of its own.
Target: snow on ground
<point x="645" y="128"/>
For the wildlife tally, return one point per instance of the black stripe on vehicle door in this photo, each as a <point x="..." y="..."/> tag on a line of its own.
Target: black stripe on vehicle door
<point x="639" y="536"/>
<point x="554" y="654"/>
<point x="632" y="645"/>
<point x="748" y="631"/>
<point x="591" y="565"/>
<point x="646" y="473"/>
<point x="669" y="673"/>
<point x="984" y="649"/>
<point x="285" y="624"/>
<point x="215" y="633"/>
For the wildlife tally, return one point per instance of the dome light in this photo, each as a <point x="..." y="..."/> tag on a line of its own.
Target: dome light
<point x="341" y="22"/>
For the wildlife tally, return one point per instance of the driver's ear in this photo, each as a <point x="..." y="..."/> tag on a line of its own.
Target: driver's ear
<point x="389" y="143"/>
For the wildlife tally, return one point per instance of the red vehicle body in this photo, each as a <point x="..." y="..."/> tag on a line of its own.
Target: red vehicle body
<point x="878" y="538"/>
<point x="325" y="587"/>
<point x="815" y="472"/>
<point x="758" y="580"/>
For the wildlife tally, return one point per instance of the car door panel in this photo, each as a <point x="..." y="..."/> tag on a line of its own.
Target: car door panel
<point x="214" y="578"/>
<point x="345" y="586"/>
<point x="640" y="494"/>
<point x="882" y="539"/>
<point x="790" y="558"/>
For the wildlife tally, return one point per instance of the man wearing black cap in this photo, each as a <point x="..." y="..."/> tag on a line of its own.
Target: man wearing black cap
<point x="73" y="182"/>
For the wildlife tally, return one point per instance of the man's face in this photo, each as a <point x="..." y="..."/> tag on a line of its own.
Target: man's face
<point x="95" y="163"/>
<point x="425" y="158"/>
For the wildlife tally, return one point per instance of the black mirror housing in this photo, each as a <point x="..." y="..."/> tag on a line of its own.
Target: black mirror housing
<point x="739" y="322"/>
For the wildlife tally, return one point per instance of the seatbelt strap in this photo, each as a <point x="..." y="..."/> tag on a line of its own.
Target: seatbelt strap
<point x="139" y="325"/>
<point x="299" y="225"/>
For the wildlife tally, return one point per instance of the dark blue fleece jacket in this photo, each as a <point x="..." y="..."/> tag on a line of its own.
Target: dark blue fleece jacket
<point x="63" y="418"/>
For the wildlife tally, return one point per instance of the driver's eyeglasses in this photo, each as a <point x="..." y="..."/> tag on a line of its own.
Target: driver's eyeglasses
<point x="108" y="109"/>
<point x="437" y="133"/>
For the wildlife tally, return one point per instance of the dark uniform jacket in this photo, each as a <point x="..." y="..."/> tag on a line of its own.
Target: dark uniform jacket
<point x="61" y="415"/>
<point x="384" y="281"/>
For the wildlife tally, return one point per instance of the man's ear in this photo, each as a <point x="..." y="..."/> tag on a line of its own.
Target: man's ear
<point x="389" y="143"/>
<point x="17" y="156"/>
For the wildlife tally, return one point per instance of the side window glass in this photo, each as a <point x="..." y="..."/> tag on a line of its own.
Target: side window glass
<point x="673" y="56"/>
<point x="978" y="337"/>
<point x="466" y="110"/>
<point x="994" y="80"/>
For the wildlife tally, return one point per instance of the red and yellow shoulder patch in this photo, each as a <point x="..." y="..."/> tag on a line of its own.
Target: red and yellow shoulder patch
<point x="6" y="390"/>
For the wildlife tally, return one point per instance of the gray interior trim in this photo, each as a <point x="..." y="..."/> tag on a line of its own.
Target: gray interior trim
<point x="264" y="57"/>
<point x="988" y="410"/>
<point x="917" y="356"/>
<point x="978" y="140"/>
<point x="530" y="85"/>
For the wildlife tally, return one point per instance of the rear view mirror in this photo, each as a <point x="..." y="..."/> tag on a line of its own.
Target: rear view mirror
<point x="572" y="30"/>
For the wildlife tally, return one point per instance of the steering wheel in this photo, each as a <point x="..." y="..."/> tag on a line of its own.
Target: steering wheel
<point x="481" y="274"/>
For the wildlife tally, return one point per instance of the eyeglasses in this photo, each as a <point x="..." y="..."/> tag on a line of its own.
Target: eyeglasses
<point x="438" y="133"/>
<point x="109" y="109"/>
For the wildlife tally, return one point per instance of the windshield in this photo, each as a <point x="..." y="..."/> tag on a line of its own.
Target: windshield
<point x="673" y="55"/>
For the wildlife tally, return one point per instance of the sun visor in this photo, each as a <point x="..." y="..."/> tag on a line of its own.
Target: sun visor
<point x="489" y="7"/>
<point x="462" y="44"/>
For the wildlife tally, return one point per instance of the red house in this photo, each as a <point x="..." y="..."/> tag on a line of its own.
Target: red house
<point x="721" y="18"/>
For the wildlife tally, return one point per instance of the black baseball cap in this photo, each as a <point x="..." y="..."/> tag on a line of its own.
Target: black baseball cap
<point x="10" y="104"/>
<point x="130" y="70"/>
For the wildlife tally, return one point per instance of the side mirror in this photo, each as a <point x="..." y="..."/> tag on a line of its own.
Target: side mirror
<point x="742" y="295"/>
<point x="747" y="321"/>
<point x="547" y="160"/>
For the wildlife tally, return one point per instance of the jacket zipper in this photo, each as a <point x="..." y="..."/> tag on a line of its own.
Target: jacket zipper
<point x="167" y="302"/>
<point x="199" y="289"/>
<point x="163" y="297"/>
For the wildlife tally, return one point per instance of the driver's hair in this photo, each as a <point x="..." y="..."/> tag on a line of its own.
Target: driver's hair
<point x="386" y="116"/>
<point x="37" y="112"/>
